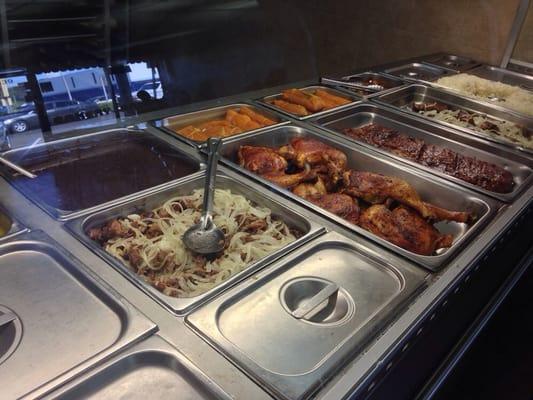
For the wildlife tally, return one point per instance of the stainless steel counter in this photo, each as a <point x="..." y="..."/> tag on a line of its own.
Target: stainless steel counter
<point x="194" y="358"/>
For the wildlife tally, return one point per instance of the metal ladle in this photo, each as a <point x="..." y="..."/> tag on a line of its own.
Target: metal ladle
<point x="204" y="237"/>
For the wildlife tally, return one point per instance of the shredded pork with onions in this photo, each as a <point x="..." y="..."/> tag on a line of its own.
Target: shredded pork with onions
<point x="150" y="243"/>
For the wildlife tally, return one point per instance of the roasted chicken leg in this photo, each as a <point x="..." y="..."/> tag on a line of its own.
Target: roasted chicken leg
<point x="312" y="152"/>
<point x="267" y="163"/>
<point x="405" y="228"/>
<point x="377" y="188"/>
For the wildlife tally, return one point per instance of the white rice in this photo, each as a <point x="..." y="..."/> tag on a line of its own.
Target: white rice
<point x="512" y="97"/>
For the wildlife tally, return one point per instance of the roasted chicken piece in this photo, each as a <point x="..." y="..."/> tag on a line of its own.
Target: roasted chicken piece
<point x="311" y="102"/>
<point x="339" y="204"/>
<point x="377" y="188"/>
<point x="405" y="228"/>
<point x="310" y="189"/>
<point x="267" y="163"/>
<point x="312" y="152"/>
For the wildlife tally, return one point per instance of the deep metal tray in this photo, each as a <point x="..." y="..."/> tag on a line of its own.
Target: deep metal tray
<point x="418" y="72"/>
<point x="504" y="75"/>
<point x="71" y="147"/>
<point x="152" y="369"/>
<point x="431" y="188"/>
<point x="65" y="319"/>
<point x="450" y="61"/>
<point x="519" y="167"/>
<point x="172" y="123"/>
<point x="402" y="99"/>
<point x="265" y="101"/>
<point x="344" y="83"/>
<point x="225" y="180"/>
<point x="293" y="346"/>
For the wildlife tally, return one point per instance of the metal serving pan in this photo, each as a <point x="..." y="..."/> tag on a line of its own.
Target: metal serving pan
<point x="418" y="72"/>
<point x="319" y="307"/>
<point x="403" y="98"/>
<point x="171" y="124"/>
<point x="344" y="82"/>
<point x="152" y="369"/>
<point x="225" y="180"/>
<point x="74" y="188"/>
<point x="504" y="75"/>
<point x="450" y="61"/>
<point x="430" y="188"/>
<point x="265" y="101"/>
<point x="64" y="320"/>
<point x="363" y="114"/>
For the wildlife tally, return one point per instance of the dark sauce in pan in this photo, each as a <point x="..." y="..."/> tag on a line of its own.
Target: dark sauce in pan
<point x="76" y="178"/>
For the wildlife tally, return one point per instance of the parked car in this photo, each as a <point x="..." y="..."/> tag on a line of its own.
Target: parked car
<point x="149" y="87"/>
<point x="58" y="112"/>
<point x="98" y="106"/>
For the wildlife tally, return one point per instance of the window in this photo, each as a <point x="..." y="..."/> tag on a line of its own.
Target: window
<point x="46" y="86"/>
<point x="73" y="83"/>
<point x="94" y="78"/>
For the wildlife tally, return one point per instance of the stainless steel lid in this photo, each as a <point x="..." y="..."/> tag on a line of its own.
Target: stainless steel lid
<point x="292" y="325"/>
<point x="61" y="316"/>
<point x="152" y="369"/>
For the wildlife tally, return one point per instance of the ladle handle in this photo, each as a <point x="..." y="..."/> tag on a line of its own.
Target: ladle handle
<point x="17" y="168"/>
<point x="213" y="144"/>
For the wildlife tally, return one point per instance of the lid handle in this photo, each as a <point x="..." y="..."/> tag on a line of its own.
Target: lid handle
<point x="7" y="318"/>
<point x="311" y="307"/>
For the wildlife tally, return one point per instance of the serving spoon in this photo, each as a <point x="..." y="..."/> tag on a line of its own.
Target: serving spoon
<point x="204" y="237"/>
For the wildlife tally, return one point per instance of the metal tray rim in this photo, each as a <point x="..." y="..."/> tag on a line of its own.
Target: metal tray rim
<point x="351" y="96"/>
<point x="433" y="263"/>
<point x="152" y="344"/>
<point x="182" y="306"/>
<point x="444" y="91"/>
<point x="507" y="197"/>
<point x="134" y="326"/>
<point x="65" y="215"/>
<point x="309" y="382"/>
<point x="160" y="123"/>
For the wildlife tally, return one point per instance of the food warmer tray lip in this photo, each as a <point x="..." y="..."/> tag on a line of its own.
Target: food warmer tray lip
<point x="517" y="75"/>
<point x="16" y="227"/>
<point x="440" y="71"/>
<point x="62" y="215"/>
<point x="354" y="98"/>
<point x="491" y="69"/>
<point x="182" y="306"/>
<point x="135" y="325"/>
<point x="155" y="345"/>
<point x="492" y="110"/>
<point x="334" y="81"/>
<point x="434" y="59"/>
<point x="440" y="136"/>
<point x="204" y="321"/>
<point x="200" y="116"/>
<point x="433" y="263"/>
